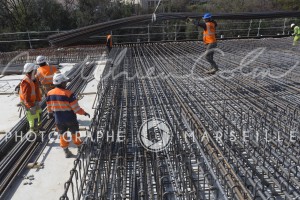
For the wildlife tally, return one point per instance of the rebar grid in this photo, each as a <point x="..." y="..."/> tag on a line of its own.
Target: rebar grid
<point x="74" y="54"/>
<point x="16" y="151"/>
<point x="233" y="133"/>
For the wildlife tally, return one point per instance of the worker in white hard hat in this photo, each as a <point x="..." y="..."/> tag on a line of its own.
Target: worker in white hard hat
<point x="63" y="106"/>
<point x="30" y="97"/>
<point x="296" y="33"/>
<point x="45" y="74"/>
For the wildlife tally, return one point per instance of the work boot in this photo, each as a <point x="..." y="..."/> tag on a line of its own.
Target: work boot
<point x="68" y="153"/>
<point x="212" y="71"/>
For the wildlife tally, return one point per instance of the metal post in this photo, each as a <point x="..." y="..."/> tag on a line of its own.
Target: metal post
<point x="249" y="29"/>
<point x="284" y="26"/>
<point x="258" y="29"/>
<point x="148" y="32"/>
<point x="176" y="32"/>
<point x="163" y="32"/>
<point x="29" y="40"/>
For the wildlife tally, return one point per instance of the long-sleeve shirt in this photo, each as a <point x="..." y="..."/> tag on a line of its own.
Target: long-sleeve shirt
<point x="26" y="93"/>
<point x="109" y="40"/>
<point x="297" y="31"/>
<point x="209" y="32"/>
<point x="45" y="74"/>
<point x="203" y="25"/>
<point x="64" y="105"/>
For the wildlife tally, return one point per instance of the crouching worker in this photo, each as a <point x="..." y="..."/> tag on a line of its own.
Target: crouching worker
<point x="63" y="106"/>
<point x="30" y="98"/>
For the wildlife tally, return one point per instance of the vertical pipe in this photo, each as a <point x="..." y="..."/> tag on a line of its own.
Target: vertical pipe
<point x="176" y="32"/>
<point x="163" y="32"/>
<point x="284" y="26"/>
<point x="148" y="32"/>
<point x="258" y="29"/>
<point x="249" y="29"/>
<point x="29" y="39"/>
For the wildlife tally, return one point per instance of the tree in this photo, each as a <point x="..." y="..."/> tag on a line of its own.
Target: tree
<point x="293" y="5"/>
<point x="17" y="13"/>
<point x="91" y="12"/>
<point x="178" y="5"/>
<point x="51" y="15"/>
<point x="234" y="6"/>
<point x="23" y="15"/>
<point x="119" y="10"/>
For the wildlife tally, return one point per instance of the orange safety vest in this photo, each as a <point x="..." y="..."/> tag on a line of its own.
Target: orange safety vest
<point x="45" y="74"/>
<point x="33" y="96"/>
<point x="209" y="35"/>
<point x="109" y="39"/>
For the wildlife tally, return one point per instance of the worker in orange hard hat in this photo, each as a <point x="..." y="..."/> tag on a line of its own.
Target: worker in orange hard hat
<point x="209" y="39"/>
<point x="30" y="97"/>
<point x="109" y="42"/>
<point x="63" y="106"/>
<point x="45" y="74"/>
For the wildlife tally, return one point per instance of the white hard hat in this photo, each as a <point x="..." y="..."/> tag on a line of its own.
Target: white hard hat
<point x="292" y="25"/>
<point x="40" y="60"/>
<point x="59" y="78"/>
<point x="28" y="67"/>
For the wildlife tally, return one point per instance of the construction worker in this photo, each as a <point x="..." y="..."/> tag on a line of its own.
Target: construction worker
<point x="108" y="42"/>
<point x="296" y="34"/>
<point x="209" y="39"/>
<point x="63" y="106"/>
<point x="30" y="97"/>
<point x="45" y="74"/>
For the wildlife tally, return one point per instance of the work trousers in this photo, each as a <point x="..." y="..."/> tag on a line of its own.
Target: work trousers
<point x="108" y="49"/>
<point x="296" y="39"/>
<point x="34" y="119"/>
<point x="74" y="129"/>
<point x="210" y="55"/>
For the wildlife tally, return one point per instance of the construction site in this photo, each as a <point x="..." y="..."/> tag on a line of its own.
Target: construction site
<point x="160" y="127"/>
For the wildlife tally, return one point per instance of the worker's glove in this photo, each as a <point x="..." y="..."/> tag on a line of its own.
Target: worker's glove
<point x="17" y="89"/>
<point x="32" y="110"/>
<point x="87" y="114"/>
<point x="50" y="116"/>
<point x="293" y="34"/>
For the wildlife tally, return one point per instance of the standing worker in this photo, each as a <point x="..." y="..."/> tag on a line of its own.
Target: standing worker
<point x="108" y="42"/>
<point x="209" y="39"/>
<point x="296" y="34"/>
<point x="45" y="74"/>
<point x="63" y="106"/>
<point x="30" y="97"/>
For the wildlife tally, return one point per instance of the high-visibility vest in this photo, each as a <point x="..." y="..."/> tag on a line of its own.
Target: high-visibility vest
<point x="109" y="41"/>
<point x="297" y="31"/>
<point x="64" y="105"/>
<point x="45" y="74"/>
<point x="209" y="35"/>
<point x="32" y="92"/>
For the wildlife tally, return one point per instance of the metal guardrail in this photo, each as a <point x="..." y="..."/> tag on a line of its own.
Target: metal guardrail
<point x="169" y="32"/>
